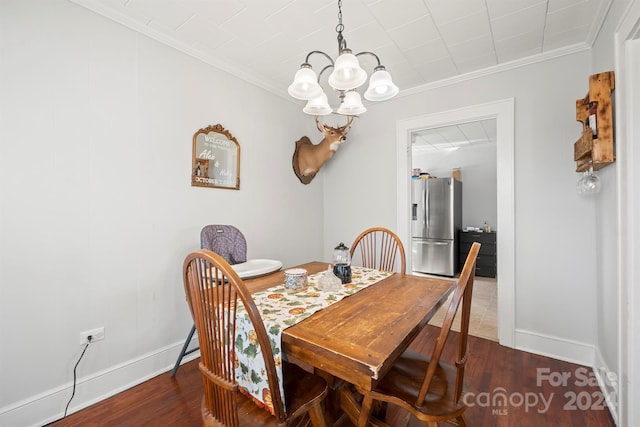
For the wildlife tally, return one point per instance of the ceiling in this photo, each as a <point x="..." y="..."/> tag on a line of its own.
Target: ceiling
<point x="422" y="43"/>
<point x="449" y="138"/>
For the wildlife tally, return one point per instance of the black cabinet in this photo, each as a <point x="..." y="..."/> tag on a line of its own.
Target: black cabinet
<point x="486" y="263"/>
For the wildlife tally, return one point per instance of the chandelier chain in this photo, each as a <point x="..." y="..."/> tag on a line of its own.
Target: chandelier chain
<point x="342" y="43"/>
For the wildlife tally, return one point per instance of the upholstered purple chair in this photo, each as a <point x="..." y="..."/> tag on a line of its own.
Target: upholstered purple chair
<point x="228" y="242"/>
<point x="225" y="240"/>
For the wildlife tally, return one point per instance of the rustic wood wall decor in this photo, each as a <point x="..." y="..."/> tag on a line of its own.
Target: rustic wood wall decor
<point x="308" y="158"/>
<point x="216" y="159"/>
<point x="595" y="148"/>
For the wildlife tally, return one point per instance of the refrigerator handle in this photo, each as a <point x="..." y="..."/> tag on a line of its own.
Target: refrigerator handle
<point x="426" y="208"/>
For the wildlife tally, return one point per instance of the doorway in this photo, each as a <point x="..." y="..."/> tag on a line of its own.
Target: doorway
<point x="503" y="113"/>
<point x="466" y="151"/>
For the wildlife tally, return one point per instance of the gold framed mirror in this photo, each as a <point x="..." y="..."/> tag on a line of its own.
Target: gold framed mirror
<point x="216" y="159"/>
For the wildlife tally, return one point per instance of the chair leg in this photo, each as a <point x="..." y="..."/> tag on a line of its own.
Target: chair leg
<point x="365" y="410"/>
<point x="184" y="351"/>
<point x="316" y="413"/>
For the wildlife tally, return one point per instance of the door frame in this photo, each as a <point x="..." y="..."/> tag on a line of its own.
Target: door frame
<point x="503" y="112"/>
<point x="627" y="63"/>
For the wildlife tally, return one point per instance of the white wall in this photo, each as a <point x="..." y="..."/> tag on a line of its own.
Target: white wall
<point x="97" y="212"/>
<point x="477" y="166"/>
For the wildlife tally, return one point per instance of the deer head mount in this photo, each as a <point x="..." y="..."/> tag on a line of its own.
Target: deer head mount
<point x="308" y="158"/>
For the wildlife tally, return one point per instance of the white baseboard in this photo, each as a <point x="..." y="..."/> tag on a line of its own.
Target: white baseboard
<point x="49" y="406"/>
<point x="609" y="384"/>
<point x="555" y="347"/>
<point x="574" y="352"/>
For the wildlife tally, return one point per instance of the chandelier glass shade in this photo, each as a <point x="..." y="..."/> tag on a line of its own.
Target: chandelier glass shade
<point x="351" y="104"/>
<point x="305" y="85"/>
<point x="347" y="73"/>
<point x="318" y="106"/>
<point x="345" y="78"/>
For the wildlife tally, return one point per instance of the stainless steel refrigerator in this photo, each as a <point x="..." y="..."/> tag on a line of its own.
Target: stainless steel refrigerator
<point x="436" y="219"/>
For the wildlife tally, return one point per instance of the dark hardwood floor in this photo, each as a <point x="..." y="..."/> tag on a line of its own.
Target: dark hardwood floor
<point x="510" y="388"/>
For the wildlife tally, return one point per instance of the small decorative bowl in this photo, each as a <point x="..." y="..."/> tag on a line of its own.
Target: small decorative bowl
<point x="295" y="278"/>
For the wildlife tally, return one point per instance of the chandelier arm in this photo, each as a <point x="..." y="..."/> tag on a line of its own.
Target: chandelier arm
<point x="372" y="54"/>
<point x="321" y="53"/>
<point x="323" y="70"/>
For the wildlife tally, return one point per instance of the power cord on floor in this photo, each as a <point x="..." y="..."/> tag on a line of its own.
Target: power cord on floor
<point x="86" y="346"/>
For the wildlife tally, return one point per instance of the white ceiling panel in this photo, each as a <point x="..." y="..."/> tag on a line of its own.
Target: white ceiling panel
<point x="428" y="52"/>
<point x="456" y="136"/>
<point x="171" y="15"/>
<point x="464" y="29"/>
<point x="556" y="5"/>
<point x="530" y="20"/>
<point x="286" y="20"/>
<point x="565" y="38"/>
<point x="420" y="41"/>
<point x="500" y="8"/>
<point x="517" y="47"/>
<point x="415" y="33"/>
<point x="471" y="49"/>
<point x="453" y="10"/>
<point x="390" y="55"/>
<point x="366" y="38"/>
<point x="574" y="16"/>
<point x="249" y="26"/>
<point x="390" y="16"/>
<point x="438" y="69"/>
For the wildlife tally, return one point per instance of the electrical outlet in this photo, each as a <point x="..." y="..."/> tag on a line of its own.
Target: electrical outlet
<point x="96" y="335"/>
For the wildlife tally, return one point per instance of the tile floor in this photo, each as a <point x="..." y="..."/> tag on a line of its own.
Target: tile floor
<point x="484" y="308"/>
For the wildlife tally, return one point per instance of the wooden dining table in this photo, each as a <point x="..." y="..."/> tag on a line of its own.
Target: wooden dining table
<point x="356" y="340"/>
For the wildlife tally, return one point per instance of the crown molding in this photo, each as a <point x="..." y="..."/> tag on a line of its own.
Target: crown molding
<point x="523" y="62"/>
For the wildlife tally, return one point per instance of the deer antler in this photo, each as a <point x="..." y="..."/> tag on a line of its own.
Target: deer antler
<point x="341" y="129"/>
<point x="348" y="124"/>
<point x="318" y="125"/>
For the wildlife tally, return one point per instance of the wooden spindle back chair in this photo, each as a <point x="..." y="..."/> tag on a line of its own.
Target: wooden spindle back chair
<point x="429" y="388"/>
<point x="214" y="291"/>
<point x="378" y="248"/>
<point x="228" y="242"/>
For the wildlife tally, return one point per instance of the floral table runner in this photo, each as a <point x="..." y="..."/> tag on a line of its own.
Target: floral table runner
<point x="281" y="308"/>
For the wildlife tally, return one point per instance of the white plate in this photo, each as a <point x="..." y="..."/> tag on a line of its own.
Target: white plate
<point x="256" y="267"/>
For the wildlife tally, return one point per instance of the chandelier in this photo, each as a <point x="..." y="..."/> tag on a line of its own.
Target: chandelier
<point x="346" y="77"/>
